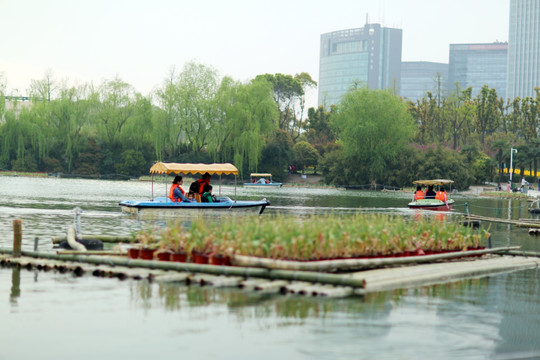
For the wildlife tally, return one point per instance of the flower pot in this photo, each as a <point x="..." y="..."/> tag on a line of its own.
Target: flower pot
<point x="164" y="256"/>
<point x="179" y="257"/>
<point x="147" y="254"/>
<point x="218" y="259"/>
<point x="133" y="253"/>
<point x="200" y="258"/>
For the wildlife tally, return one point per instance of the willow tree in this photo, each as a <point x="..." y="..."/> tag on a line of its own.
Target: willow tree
<point x="374" y="126"/>
<point x="249" y="116"/>
<point x="196" y="90"/>
<point x="115" y="104"/>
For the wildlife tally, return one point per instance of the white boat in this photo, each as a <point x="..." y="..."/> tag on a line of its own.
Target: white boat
<point x="262" y="179"/>
<point x="222" y="204"/>
<point x="433" y="204"/>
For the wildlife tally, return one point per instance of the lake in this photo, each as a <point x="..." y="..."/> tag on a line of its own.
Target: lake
<point x="49" y="315"/>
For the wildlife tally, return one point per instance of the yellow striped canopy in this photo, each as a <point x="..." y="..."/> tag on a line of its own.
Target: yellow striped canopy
<point x="189" y="168"/>
<point x="260" y="175"/>
<point x="433" y="182"/>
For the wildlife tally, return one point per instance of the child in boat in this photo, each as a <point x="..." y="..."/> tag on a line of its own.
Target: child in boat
<point x="207" y="196"/>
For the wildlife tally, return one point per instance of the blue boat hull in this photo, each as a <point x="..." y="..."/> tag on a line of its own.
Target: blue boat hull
<point x="224" y="204"/>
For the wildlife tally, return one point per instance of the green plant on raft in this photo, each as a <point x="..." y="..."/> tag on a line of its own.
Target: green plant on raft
<point x="321" y="237"/>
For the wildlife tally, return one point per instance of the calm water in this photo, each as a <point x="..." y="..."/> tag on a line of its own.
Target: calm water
<point x="48" y="315"/>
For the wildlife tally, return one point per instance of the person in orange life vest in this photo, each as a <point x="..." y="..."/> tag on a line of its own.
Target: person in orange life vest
<point x="419" y="194"/>
<point x="176" y="193"/>
<point x="203" y="184"/>
<point x="441" y="195"/>
<point x="430" y="194"/>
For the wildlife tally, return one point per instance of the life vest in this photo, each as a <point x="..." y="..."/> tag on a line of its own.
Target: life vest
<point x="171" y="192"/>
<point x="441" y="195"/>
<point x="418" y="195"/>
<point x="201" y="183"/>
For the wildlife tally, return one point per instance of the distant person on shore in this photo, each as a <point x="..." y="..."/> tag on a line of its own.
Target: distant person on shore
<point x="419" y="194"/>
<point x="430" y="194"/>
<point x="176" y="193"/>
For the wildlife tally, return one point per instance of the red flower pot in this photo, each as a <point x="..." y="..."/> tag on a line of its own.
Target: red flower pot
<point x="147" y="254"/>
<point x="200" y="258"/>
<point x="218" y="259"/>
<point x="164" y="256"/>
<point x="179" y="257"/>
<point x="133" y="253"/>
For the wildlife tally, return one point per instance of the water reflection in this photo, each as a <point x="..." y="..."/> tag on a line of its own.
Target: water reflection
<point x="15" y="285"/>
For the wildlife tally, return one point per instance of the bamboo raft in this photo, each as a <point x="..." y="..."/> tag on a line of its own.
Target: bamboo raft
<point x="419" y="272"/>
<point x="530" y="223"/>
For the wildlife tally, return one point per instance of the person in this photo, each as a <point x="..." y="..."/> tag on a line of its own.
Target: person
<point x="207" y="195"/>
<point x="419" y="194"/>
<point x="441" y="195"/>
<point x="524" y="182"/>
<point x="176" y="193"/>
<point x="201" y="186"/>
<point x="254" y="181"/>
<point x="430" y="194"/>
<point x="262" y="181"/>
<point x="191" y="195"/>
<point x="509" y="187"/>
<point x="539" y="184"/>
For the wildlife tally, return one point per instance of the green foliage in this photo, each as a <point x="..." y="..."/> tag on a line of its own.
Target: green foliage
<point x="374" y="127"/>
<point x="305" y="155"/>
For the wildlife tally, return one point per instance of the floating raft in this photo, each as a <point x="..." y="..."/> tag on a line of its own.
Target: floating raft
<point x="273" y="281"/>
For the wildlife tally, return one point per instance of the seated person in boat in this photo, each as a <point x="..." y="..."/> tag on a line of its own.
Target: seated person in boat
<point x="176" y="193"/>
<point x="430" y="194"/>
<point x="207" y="196"/>
<point x="419" y="194"/>
<point x="262" y="181"/>
<point x="441" y="195"/>
<point x="200" y="186"/>
<point x="191" y="195"/>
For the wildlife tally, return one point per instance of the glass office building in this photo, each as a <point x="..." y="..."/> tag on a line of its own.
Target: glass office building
<point x="419" y="77"/>
<point x="523" y="48"/>
<point x="477" y="65"/>
<point x="368" y="56"/>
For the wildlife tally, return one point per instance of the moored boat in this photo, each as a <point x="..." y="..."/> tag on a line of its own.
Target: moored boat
<point x="262" y="179"/>
<point x="432" y="203"/>
<point x="221" y="204"/>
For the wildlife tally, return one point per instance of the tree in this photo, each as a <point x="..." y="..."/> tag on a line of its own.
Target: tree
<point x="289" y="94"/>
<point x="487" y="117"/>
<point x="248" y="116"/>
<point x="459" y="113"/>
<point x="373" y="126"/>
<point x="305" y="155"/>
<point x="319" y="133"/>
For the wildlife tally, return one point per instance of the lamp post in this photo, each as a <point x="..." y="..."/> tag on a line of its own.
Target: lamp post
<point x="512" y="150"/>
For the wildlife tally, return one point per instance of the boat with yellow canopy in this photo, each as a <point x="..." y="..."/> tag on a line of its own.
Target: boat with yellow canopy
<point x="432" y="203"/>
<point x="221" y="203"/>
<point x="262" y="179"/>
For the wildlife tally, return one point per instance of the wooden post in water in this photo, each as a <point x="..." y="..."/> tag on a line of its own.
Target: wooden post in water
<point x="17" y="237"/>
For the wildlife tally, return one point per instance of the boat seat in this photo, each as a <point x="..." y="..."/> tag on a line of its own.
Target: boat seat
<point x="198" y="197"/>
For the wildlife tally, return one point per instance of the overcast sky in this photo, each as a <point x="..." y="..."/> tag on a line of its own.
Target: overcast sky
<point x="139" y="41"/>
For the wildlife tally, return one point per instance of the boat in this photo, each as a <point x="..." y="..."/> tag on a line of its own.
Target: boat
<point x="222" y="204"/>
<point x="433" y="204"/>
<point x="262" y="179"/>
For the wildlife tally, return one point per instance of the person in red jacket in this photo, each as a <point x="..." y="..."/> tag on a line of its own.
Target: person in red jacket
<point x="419" y="194"/>
<point x="176" y="193"/>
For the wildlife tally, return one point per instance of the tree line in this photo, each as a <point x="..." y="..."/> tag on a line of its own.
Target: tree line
<point x="371" y="136"/>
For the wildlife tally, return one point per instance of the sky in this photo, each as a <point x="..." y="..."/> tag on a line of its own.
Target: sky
<point x="140" y="42"/>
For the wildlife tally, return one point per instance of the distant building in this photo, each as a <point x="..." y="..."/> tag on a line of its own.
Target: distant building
<point x="368" y="56"/>
<point x="523" y="48"/>
<point x="419" y="77"/>
<point x="16" y="104"/>
<point x="477" y="65"/>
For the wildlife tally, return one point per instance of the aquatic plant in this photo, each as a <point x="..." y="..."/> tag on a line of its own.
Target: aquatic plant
<point x="322" y="237"/>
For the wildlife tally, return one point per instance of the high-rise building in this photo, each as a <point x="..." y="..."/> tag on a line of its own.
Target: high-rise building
<point x="523" y="48"/>
<point x="419" y="77"/>
<point x="368" y="56"/>
<point x="477" y="65"/>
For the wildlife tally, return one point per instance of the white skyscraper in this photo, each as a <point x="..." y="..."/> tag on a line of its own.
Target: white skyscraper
<point x="523" y="48"/>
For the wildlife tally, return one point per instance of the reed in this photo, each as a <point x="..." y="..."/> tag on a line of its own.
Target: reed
<point x="318" y="237"/>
